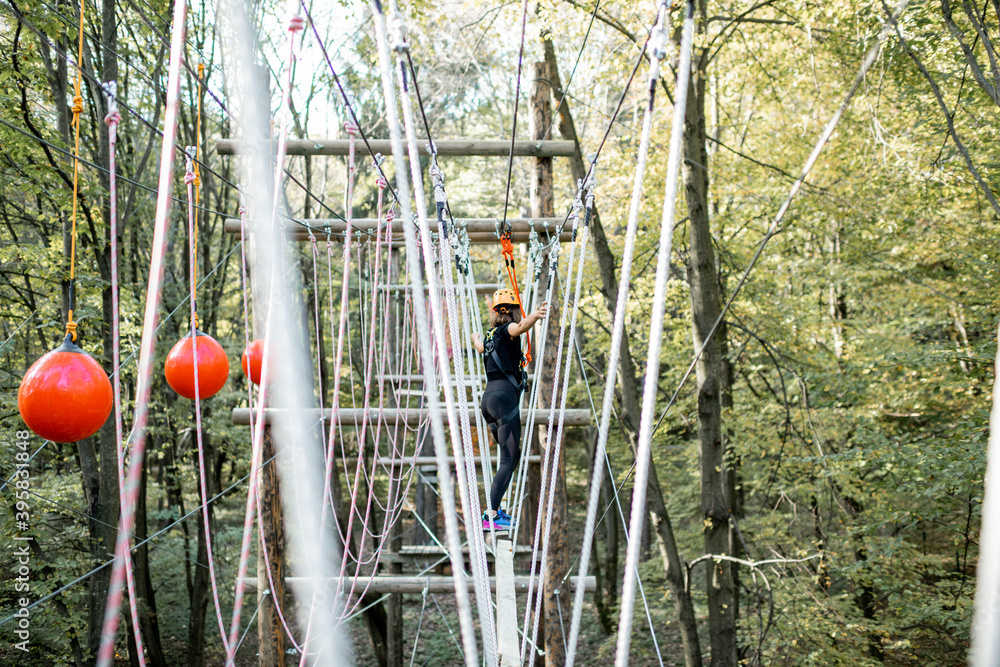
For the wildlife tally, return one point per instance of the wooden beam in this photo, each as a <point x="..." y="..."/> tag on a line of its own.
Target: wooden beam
<point x="435" y="550"/>
<point x="412" y="584"/>
<point x="472" y="225"/>
<point x="480" y="230"/>
<point x="445" y="147"/>
<point x="507" y="644"/>
<point x="413" y="417"/>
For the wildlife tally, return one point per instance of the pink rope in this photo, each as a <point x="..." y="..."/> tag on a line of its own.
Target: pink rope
<point x="255" y="457"/>
<point x="295" y="25"/>
<point x="147" y="348"/>
<point x="335" y="399"/>
<point x="189" y="179"/>
<point x="112" y="120"/>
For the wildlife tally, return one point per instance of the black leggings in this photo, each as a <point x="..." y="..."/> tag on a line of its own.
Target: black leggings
<point x="501" y="400"/>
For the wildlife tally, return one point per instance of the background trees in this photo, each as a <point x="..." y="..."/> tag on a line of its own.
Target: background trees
<point x="852" y="376"/>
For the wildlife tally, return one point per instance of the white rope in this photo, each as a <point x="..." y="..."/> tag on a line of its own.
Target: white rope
<point x="557" y="420"/>
<point x="459" y="352"/>
<point x="658" y="43"/>
<point x="651" y="383"/>
<point x="424" y="333"/>
<point x="519" y="494"/>
<point x="468" y="293"/>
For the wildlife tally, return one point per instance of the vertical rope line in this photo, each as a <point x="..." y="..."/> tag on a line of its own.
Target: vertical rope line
<point x="335" y="397"/>
<point x="513" y="130"/>
<point x="643" y="451"/>
<point x="256" y="417"/>
<point x="657" y="41"/>
<point x="424" y="334"/>
<point x="112" y="119"/>
<point x="447" y="252"/>
<point x="196" y="184"/>
<point x="189" y="179"/>
<point x="77" y="109"/>
<point x="148" y="346"/>
<point x="552" y="447"/>
<point x="517" y="501"/>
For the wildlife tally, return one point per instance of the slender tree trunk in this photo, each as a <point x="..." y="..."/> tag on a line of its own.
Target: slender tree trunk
<point x="542" y="206"/>
<point x="605" y="577"/>
<point x="145" y="594"/>
<point x="705" y="310"/>
<point x="201" y="583"/>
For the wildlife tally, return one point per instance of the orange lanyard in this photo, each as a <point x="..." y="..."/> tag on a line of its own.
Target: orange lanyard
<point x="507" y="251"/>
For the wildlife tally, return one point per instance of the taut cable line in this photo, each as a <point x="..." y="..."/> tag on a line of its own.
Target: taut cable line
<point x="513" y="129"/>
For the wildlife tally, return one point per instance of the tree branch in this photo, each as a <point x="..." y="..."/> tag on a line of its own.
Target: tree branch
<point x="944" y="107"/>
<point x="970" y="57"/>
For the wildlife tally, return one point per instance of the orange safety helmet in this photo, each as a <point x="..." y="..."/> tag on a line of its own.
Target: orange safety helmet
<point x="504" y="297"/>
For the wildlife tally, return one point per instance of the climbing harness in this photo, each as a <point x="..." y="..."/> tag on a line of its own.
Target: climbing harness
<point x="507" y="252"/>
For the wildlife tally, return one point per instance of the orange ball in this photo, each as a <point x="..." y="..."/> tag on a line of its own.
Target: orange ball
<point x="213" y="366"/>
<point x="65" y="396"/>
<point x="253" y="360"/>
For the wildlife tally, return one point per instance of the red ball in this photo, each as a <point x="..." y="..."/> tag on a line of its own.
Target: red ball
<point x="253" y="360"/>
<point x="65" y="396"/>
<point x="213" y="366"/>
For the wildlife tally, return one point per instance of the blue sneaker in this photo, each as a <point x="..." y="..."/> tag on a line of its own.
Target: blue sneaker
<point x="501" y="522"/>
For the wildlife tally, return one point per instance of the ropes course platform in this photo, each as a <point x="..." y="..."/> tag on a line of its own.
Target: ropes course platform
<point x="414" y="584"/>
<point x="449" y="147"/>
<point x="480" y="230"/>
<point x="414" y="417"/>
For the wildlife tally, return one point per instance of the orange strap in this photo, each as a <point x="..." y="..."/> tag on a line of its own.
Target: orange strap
<point x="507" y="251"/>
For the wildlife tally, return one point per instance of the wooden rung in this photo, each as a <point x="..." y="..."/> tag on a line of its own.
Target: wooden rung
<point x="419" y="378"/>
<point x="507" y="644"/>
<point x="445" y="147"/>
<point x="428" y="461"/>
<point x="480" y="230"/>
<point x="472" y="225"/>
<point x="413" y="417"/>
<point x="435" y="550"/>
<point x="384" y="583"/>
<point x="482" y="288"/>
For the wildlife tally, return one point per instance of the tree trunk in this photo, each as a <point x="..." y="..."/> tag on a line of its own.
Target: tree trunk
<point x="629" y="406"/>
<point x="542" y="206"/>
<point x="606" y="576"/>
<point x="705" y="310"/>
<point x="144" y="592"/>
<point x="270" y="634"/>
<point x="201" y="583"/>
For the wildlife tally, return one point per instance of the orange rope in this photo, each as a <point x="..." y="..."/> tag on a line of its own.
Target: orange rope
<point x="77" y="109"/>
<point x="197" y="187"/>
<point x="507" y="251"/>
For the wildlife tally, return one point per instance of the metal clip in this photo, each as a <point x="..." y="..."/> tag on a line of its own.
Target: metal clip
<point x="397" y="33"/>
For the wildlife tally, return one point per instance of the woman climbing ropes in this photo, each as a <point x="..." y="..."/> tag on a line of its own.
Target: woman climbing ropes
<point x="505" y="381"/>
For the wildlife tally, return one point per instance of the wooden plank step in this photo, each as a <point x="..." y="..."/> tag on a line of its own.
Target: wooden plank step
<point x="435" y="550"/>
<point x="413" y="417"/>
